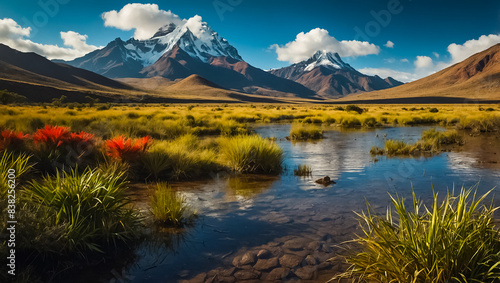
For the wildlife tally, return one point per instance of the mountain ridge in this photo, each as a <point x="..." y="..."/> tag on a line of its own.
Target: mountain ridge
<point x="330" y="77"/>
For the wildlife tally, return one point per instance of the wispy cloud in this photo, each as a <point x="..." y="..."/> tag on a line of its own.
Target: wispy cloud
<point x="17" y="37"/>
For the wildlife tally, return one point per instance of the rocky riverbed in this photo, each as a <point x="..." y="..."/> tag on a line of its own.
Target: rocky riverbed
<point x="287" y="259"/>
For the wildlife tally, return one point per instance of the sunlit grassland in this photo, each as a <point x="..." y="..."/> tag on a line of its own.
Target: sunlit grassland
<point x="170" y="121"/>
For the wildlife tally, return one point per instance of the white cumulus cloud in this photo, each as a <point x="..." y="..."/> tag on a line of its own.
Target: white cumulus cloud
<point x="460" y="52"/>
<point x="17" y="37"/>
<point x="306" y="44"/>
<point x="423" y="62"/>
<point x="144" y="19"/>
<point x="389" y="44"/>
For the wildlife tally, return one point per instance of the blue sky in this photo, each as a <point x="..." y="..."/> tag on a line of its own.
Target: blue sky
<point x="416" y="28"/>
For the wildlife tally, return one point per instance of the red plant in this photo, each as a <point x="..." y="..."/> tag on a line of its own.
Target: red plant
<point x="80" y="138"/>
<point x="12" y="140"/>
<point x="127" y="149"/>
<point x="53" y="136"/>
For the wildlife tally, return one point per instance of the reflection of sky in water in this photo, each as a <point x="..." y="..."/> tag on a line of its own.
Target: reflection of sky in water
<point x="253" y="210"/>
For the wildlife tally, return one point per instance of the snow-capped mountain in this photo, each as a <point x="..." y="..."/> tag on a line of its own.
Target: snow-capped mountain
<point x="204" y="45"/>
<point x="329" y="76"/>
<point x="178" y="51"/>
<point x="326" y="59"/>
<point x="127" y="58"/>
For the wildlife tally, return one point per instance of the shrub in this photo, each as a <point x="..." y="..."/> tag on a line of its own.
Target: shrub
<point x="350" y="122"/>
<point x="7" y="97"/>
<point x="169" y="208"/>
<point x="251" y="154"/>
<point x="51" y="137"/>
<point x="305" y="132"/>
<point x="58" y="148"/>
<point x="302" y="170"/>
<point x="182" y="158"/>
<point x="455" y="241"/>
<point x="127" y="149"/>
<point x="397" y="147"/>
<point x="13" y="141"/>
<point x="375" y="150"/>
<point x="354" y="108"/>
<point x="369" y="122"/>
<point x="438" y="138"/>
<point x="92" y="205"/>
<point x="434" y="110"/>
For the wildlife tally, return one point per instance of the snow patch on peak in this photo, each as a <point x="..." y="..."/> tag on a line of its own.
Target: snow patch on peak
<point x="194" y="36"/>
<point x="327" y="59"/>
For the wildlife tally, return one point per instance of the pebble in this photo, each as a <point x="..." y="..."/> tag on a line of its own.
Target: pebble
<point x="263" y="253"/>
<point x="266" y="264"/>
<point x="310" y="260"/>
<point x="277" y="274"/>
<point x="306" y="272"/>
<point x="290" y="260"/>
<point x="246" y="274"/>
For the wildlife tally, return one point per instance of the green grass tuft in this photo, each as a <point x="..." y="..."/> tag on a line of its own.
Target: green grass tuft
<point x="303" y="170"/>
<point x="302" y="132"/>
<point x="91" y="204"/>
<point x="169" y="208"/>
<point x="454" y="241"/>
<point x="251" y="154"/>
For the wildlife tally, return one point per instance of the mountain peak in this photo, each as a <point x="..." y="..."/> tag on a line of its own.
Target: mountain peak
<point x="164" y="30"/>
<point x="326" y="59"/>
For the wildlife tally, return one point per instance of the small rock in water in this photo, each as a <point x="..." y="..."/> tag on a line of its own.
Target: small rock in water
<point x="246" y="274"/>
<point x="248" y="258"/>
<point x="277" y="274"/>
<point x="290" y="261"/>
<point x="310" y="260"/>
<point x="325" y="181"/>
<point x="263" y="253"/>
<point x="306" y="272"/>
<point x="266" y="264"/>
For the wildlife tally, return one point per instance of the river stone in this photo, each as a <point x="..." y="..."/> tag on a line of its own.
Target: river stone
<point x="277" y="274"/>
<point x="237" y="261"/>
<point x="226" y="279"/>
<point x="263" y="253"/>
<point x="306" y="272"/>
<point x="324" y="265"/>
<point x="291" y="261"/>
<point x="266" y="264"/>
<point x="246" y="274"/>
<point x="310" y="260"/>
<point x="296" y="244"/>
<point x="314" y="246"/>
<point x="248" y="258"/>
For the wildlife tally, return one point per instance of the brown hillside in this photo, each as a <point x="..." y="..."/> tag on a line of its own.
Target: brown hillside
<point x="475" y="78"/>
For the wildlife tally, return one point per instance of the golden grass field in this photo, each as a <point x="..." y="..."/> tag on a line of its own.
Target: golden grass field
<point x="170" y="121"/>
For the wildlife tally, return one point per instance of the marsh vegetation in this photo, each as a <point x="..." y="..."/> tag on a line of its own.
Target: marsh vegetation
<point x="75" y="164"/>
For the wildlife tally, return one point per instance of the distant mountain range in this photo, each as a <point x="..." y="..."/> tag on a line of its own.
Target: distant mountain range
<point x="330" y="77"/>
<point x="176" y="52"/>
<point x="178" y="64"/>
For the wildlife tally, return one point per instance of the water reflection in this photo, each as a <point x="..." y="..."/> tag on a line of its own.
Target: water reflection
<point x="248" y="211"/>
